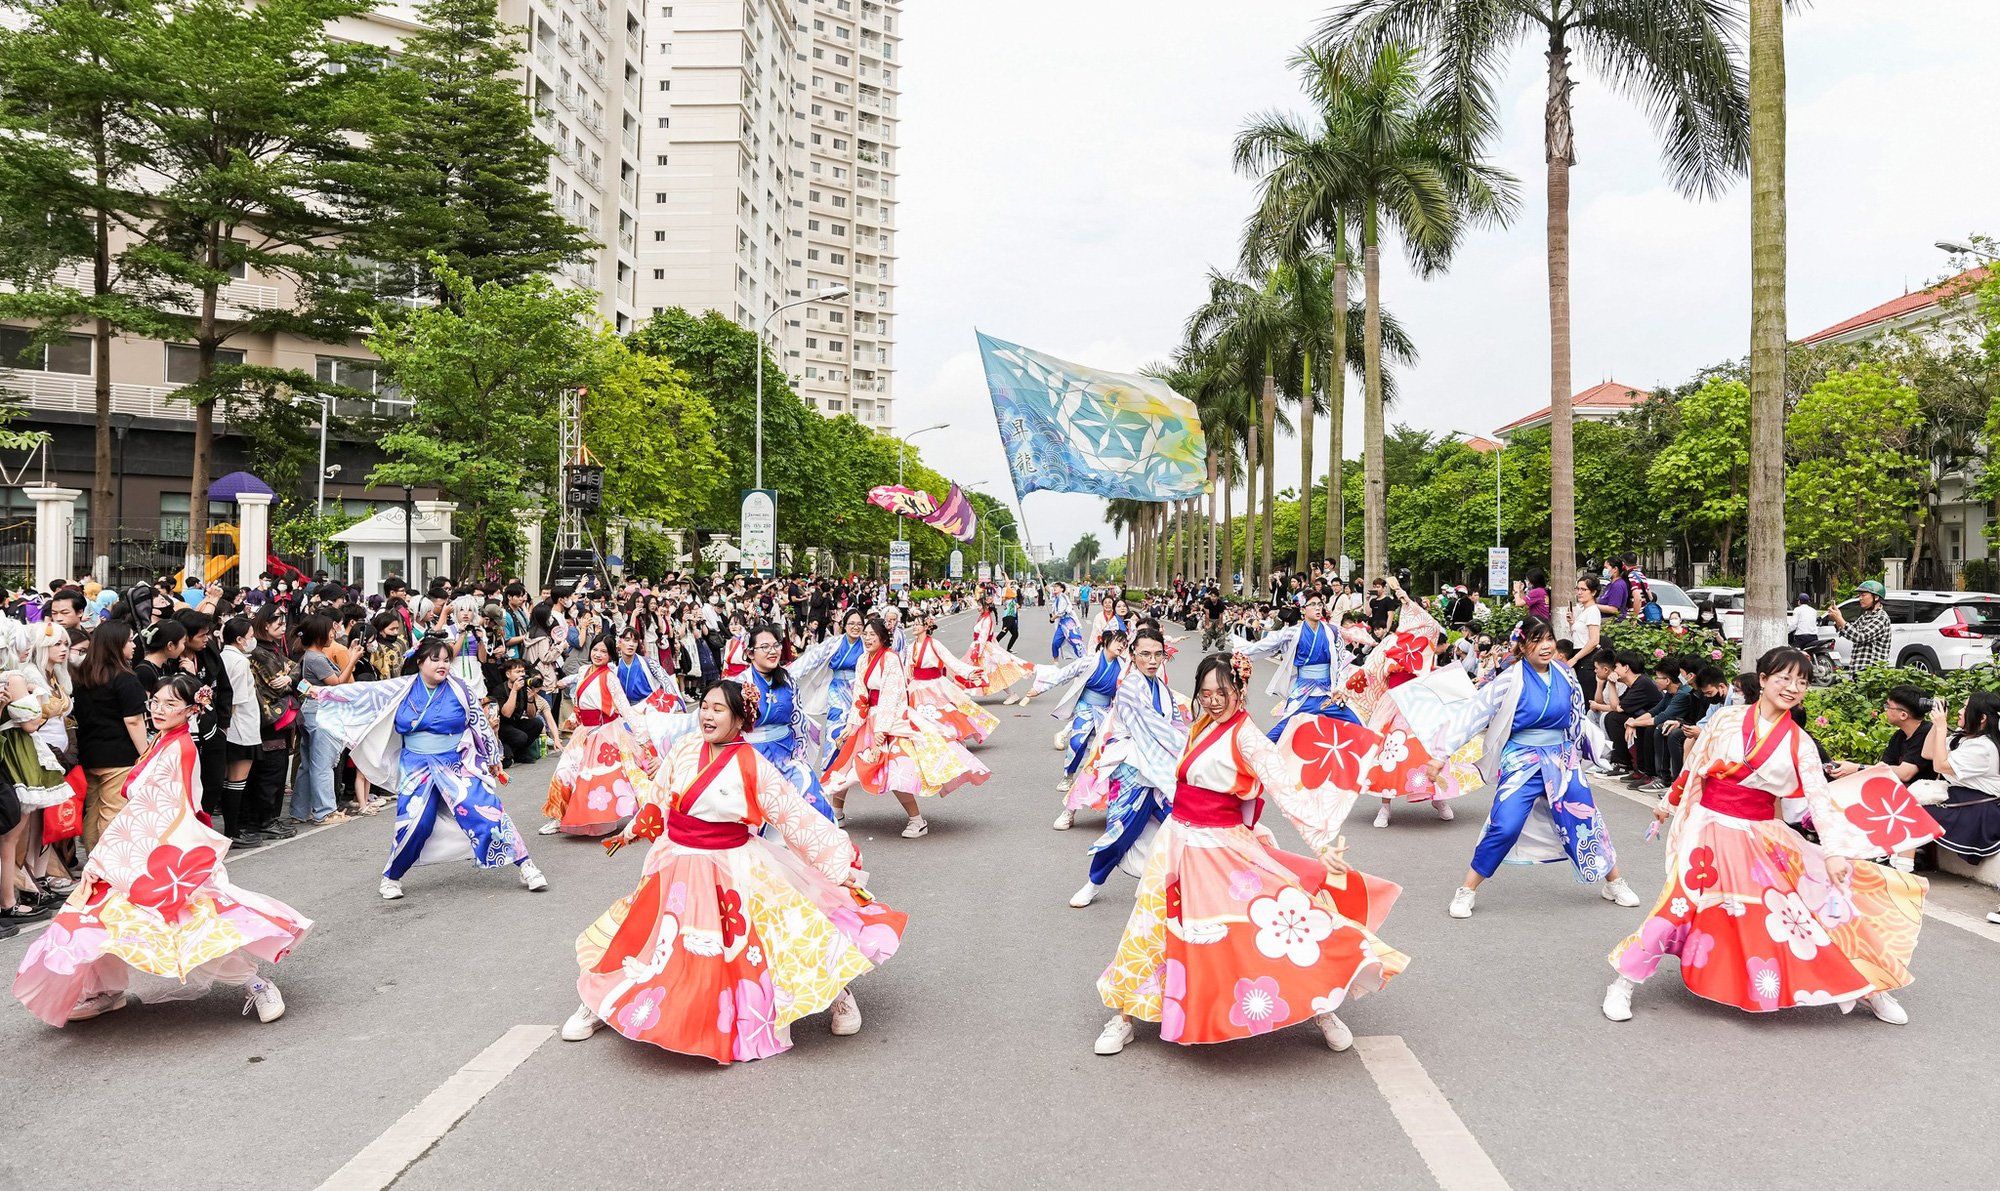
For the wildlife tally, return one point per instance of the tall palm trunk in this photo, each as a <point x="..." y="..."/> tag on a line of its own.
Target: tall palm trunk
<point x="1559" y="141"/>
<point x="1250" y="513"/>
<point x="1305" y="466"/>
<point x="1224" y="559"/>
<point x="1336" y="398"/>
<point x="1208" y="558"/>
<point x="1270" y="413"/>
<point x="101" y="498"/>
<point x="1764" y="577"/>
<point x="1375" y="498"/>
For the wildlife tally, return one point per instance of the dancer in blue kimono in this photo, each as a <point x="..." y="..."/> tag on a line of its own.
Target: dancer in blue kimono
<point x="426" y="737"/>
<point x="1535" y="740"/>
<point x="1068" y="642"/>
<point x="1094" y="678"/>
<point x="1312" y="666"/>
<point x="824" y="676"/>
<point x="1144" y="736"/>
<point x="641" y="676"/>
<point x="780" y="734"/>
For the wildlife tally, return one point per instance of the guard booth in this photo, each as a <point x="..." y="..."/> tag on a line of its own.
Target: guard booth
<point x="376" y="548"/>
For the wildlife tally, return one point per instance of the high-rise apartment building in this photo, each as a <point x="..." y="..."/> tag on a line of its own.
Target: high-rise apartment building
<point x="768" y="176"/>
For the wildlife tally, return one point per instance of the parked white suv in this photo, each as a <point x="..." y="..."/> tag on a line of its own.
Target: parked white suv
<point x="1931" y="630"/>
<point x="1728" y="603"/>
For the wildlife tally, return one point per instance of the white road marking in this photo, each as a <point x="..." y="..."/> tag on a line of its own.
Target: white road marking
<point x="1455" y="1158"/>
<point x="1966" y="922"/>
<point x="402" y="1143"/>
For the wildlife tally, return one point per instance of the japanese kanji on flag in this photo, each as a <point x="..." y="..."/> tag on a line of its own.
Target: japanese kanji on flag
<point x="1884" y="809"/>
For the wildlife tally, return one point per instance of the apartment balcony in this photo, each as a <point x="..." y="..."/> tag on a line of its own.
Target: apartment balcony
<point x="595" y="14"/>
<point x="632" y="42"/>
<point x="567" y="154"/>
<point x="630" y="189"/>
<point x="563" y="98"/>
<point x="595" y="70"/>
<point x="567" y="41"/>
<point x="545" y="54"/>
<point x="592" y="175"/>
<point x="545" y="117"/>
<point x="591" y="119"/>
<point x="65" y="393"/>
<point x="628" y="239"/>
<point x="629" y="137"/>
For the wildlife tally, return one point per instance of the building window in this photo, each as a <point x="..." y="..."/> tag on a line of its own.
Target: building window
<point x="71" y="353"/>
<point x="666" y="84"/>
<point x="659" y="274"/>
<point x="354" y="374"/>
<point x="811" y="342"/>
<point x="659" y="237"/>
<point x="839" y="258"/>
<point x="659" y="196"/>
<point x="660" y="160"/>
<point x="184" y="362"/>
<point x="812" y="254"/>
<point x="665" y="121"/>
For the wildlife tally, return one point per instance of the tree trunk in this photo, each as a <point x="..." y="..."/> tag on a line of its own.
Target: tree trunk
<point x="1332" y="545"/>
<point x="102" y="501"/>
<point x="1208" y="558"/>
<point x="1250" y="513"/>
<point x="1764" y="575"/>
<point x="1560" y="151"/>
<point x="1226" y="558"/>
<point x="206" y="341"/>
<point x="1305" y="468"/>
<point x="1375" y="493"/>
<point x="1270" y="467"/>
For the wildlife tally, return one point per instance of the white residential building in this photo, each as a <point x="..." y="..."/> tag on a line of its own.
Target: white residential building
<point x="769" y="176"/>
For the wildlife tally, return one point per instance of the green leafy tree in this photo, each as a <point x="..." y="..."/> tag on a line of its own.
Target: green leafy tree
<point x="1702" y="477"/>
<point x="1853" y="477"/>
<point x="69" y="153"/>
<point x="655" y="437"/>
<point x="484" y="372"/>
<point x="455" y="168"/>
<point x="242" y="112"/>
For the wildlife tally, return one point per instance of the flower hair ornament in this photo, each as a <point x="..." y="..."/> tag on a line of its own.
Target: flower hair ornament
<point x="752" y="704"/>
<point x="203" y="697"/>
<point x="1241" y="665"/>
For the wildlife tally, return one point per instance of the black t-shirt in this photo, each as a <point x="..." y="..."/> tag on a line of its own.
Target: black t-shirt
<point x="1462" y="609"/>
<point x="1214" y="604"/>
<point x="102" y="740"/>
<point x="1909" y="750"/>
<point x="1642" y="696"/>
<point x="1380" y="608"/>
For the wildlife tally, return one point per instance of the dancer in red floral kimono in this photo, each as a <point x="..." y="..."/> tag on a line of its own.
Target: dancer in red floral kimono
<point x="731" y="937"/>
<point x="1758" y="917"/>
<point x="155" y="898"/>
<point x="1230" y="937"/>
<point x="606" y="768"/>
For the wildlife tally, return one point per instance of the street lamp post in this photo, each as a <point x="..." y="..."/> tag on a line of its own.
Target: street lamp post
<point x="409" y="513"/>
<point x="836" y="294"/>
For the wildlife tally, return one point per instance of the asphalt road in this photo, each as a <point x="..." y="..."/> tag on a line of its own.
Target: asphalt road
<point x="974" y="1067"/>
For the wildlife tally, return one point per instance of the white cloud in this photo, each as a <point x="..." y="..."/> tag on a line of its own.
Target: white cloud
<point x="1067" y="185"/>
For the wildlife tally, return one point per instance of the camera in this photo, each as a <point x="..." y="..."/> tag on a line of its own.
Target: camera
<point x="1925" y="704"/>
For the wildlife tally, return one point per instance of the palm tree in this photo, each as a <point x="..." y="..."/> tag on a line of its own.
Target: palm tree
<point x="1084" y="553"/>
<point x="1764" y="575"/>
<point x="1677" y="57"/>
<point x="1411" y="160"/>
<point x="1242" y="326"/>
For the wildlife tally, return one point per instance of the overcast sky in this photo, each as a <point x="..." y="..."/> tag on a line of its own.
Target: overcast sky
<point x="1066" y="185"/>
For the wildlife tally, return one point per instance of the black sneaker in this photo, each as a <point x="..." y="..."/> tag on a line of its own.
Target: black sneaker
<point x="26" y="911"/>
<point x="248" y="840"/>
<point x="8" y="930"/>
<point x="278" y="830"/>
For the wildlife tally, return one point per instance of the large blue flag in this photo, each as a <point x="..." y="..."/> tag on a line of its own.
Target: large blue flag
<point x="1067" y="428"/>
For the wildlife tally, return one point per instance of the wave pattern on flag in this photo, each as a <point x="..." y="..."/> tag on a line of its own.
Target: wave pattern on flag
<point x="1068" y="428"/>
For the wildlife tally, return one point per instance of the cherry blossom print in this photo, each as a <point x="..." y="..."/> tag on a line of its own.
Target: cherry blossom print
<point x="1330" y="1002"/>
<point x="1245" y="883"/>
<point x="641" y="1012"/>
<point x="1764" y="981"/>
<point x="1788" y="921"/>
<point x="1696" y="949"/>
<point x="756" y="1020"/>
<point x="729" y="908"/>
<point x="1256" y="1005"/>
<point x="677" y="897"/>
<point x="1701" y="871"/>
<point x="1678" y="907"/>
<point x="1888" y="814"/>
<point x="1290" y="927"/>
<point x="1393" y="751"/>
<point x="1331" y="751"/>
<point x="1173" y="987"/>
<point x="725" y="1011"/>
<point x="1658" y="937"/>
<point x="63" y="951"/>
<point x="607" y="755"/>
<point x="599" y="798"/>
<point x="172" y="878"/>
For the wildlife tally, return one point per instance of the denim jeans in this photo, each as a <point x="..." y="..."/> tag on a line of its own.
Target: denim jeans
<point x="313" y="789"/>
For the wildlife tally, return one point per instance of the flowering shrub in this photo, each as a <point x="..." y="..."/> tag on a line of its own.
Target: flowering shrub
<point x="1847" y="718"/>
<point x="1658" y="641"/>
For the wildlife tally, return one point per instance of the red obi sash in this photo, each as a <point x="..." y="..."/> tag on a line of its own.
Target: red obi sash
<point x="867" y="693"/>
<point x="591" y="717"/>
<point x="1722" y="787"/>
<point x="691" y="832"/>
<point x="1727" y="797"/>
<point x="1199" y="806"/>
<point x="927" y="673"/>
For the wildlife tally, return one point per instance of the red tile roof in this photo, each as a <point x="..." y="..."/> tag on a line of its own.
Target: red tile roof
<point x="1897" y="307"/>
<point x="1606" y="399"/>
<point x="1483" y="445"/>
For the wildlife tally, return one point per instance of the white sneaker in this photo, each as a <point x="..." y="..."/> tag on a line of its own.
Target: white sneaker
<point x="1338" y="1036"/>
<point x="390" y="890"/>
<point x="1066" y="820"/>
<point x="1063" y="786"/>
<point x="1887" y="1008"/>
<point x="1461" y="902"/>
<point x="1117" y="1032"/>
<point x="839" y="817"/>
<point x="1618" y="1000"/>
<point x="1993" y="917"/>
<point x="532" y="879"/>
<point x="846" y="1014"/>
<point x="581" y="1024"/>
<point x="916" y="828"/>
<point x="1382" y="816"/>
<point x="550" y="827"/>
<point x="1616" y="890"/>
<point x="1085" y="895"/>
<point x="97" y="1005"/>
<point x="270" y="1003"/>
<point x="1444" y="810"/>
<point x="1903" y="864"/>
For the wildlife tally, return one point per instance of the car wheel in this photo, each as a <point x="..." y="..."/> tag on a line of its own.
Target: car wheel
<point x="1920" y="660"/>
